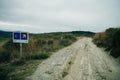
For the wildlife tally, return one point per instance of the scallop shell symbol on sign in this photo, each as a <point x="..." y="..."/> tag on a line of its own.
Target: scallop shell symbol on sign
<point x="24" y="36"/>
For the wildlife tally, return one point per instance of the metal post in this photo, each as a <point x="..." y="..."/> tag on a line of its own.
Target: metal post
<point x="20" y="50"/>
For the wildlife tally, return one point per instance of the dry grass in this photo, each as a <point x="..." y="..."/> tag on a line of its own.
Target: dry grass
<point x="39" y="47"/>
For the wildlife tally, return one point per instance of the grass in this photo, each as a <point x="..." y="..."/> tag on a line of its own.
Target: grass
<point x="2" y="39"/>
<point x="39" y="48"/>
<point x="18" y="72"/>
<point x="48" y="43"/>
<point x="4" y="56"/>
<point x="43" y="55"/>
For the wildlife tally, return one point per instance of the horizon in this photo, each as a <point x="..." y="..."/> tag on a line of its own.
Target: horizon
<point x="45" y="32"/>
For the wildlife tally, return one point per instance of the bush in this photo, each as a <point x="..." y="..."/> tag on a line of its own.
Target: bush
<point x="68" y="36"/>
<point x="110" y="39"/>
<point x="115" y="52"/>
<point x="41" y="55"/>
<point x="64" y="42"/>
<point x="10" y="46"/>
<point x="4" y="71"/>
<point x="18" y="62"/>
<point x="4" y="56"/>
<point x="40" y="42"/>
<point x="50" y="42"/>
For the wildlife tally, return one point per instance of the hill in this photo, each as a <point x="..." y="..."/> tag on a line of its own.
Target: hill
<point x="83" y="33"/>
<point x="77" y="33"/>
<point x="5" y="33"/>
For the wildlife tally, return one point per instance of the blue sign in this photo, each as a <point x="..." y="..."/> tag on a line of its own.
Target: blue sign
<point x="17" y="35"/>
<point x="20" y="37"/>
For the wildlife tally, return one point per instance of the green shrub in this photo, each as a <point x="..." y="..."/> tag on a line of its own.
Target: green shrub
<point x="4" y="71"/>
<point x="41" y="55"/>
<point x="110" y="39"/>
<point x="64" y="42"/>
<point x="40" y="42"/>
<point x="68" y="36"/>
<point x="115" y="52"/>
<point x="18" y="62"/>
<point x="4" y="56"/>
<point x="50" y="42"/>
<point x="11" y="47"/>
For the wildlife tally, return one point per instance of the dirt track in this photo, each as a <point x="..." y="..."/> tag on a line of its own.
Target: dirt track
<point x="80" y="61"/>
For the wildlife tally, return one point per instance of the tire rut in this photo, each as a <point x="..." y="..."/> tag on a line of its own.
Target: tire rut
<point x="79" y="61"/>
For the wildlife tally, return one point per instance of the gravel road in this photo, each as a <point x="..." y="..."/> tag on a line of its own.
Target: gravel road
<point x="80" y="61"/>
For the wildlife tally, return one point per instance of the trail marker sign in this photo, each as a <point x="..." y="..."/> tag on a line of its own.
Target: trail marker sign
<point x="20" y="37"/>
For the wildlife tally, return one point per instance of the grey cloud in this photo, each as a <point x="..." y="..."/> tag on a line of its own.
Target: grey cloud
<point x="60" y="15"/>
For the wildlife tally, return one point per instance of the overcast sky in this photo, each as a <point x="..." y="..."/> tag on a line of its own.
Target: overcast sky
<point x="40" y="16"/>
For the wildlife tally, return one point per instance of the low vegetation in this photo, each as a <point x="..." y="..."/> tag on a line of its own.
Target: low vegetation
<point x="18" y="70"/>
<point x="40" y="47"/>
<point x="110" y="40"/>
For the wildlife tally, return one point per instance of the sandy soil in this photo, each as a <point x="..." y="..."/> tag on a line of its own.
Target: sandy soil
<point x="80" y="61"/>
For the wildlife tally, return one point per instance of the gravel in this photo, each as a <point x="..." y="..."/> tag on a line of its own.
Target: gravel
<point x="79" y="61"/>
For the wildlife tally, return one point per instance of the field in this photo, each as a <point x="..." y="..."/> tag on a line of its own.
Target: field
<point x="39" y="48"/>
<point x="42" y="46"/>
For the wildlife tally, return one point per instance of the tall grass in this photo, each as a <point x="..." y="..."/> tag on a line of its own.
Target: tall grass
<point x="5" y="56"/>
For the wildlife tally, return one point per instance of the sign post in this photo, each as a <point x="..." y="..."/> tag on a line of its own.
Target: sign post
<point x="20" y="50"/>
<point x="20" y="37"/>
